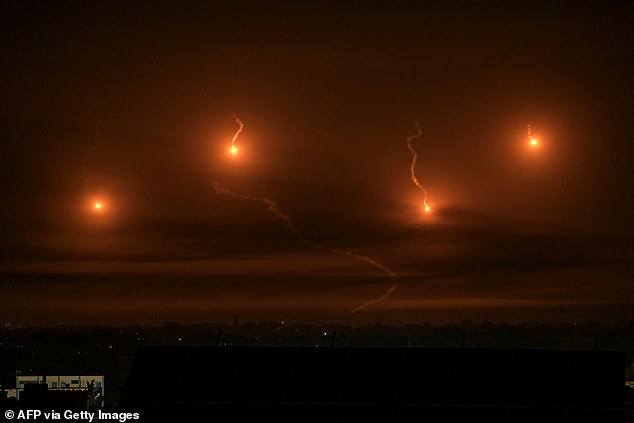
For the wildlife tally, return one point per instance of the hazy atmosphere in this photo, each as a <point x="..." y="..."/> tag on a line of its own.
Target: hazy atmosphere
<point x="121" y="201"/>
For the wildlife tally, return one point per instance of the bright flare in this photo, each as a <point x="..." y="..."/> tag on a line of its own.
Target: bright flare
<point x="234" y="140"/>
<point x="98" y="207"/>
<point x="412" y="167"/>
<point x="529" y="133"/>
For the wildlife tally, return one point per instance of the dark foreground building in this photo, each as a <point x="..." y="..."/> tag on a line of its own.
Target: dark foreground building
<point x="38" y="396"/>
<point x="254" y="384"/>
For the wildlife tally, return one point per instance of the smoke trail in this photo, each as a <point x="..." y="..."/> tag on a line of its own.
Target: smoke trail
<point x="412" y="168"/>
<point x="274" y="209"/>
<point x="237" y="134"/>
<point x="271" y="206"/>
<point x="369" y="303"/>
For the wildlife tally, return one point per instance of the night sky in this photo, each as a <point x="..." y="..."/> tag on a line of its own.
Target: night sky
<point x="133" y="103"/>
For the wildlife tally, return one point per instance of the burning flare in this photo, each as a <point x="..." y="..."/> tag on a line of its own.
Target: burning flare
<point x="531" y="140"/>
<point x="234" y="148"/>
<point x="412" y="168"/>
<point x="97" y="206"/>
<point x="274" y="209"/>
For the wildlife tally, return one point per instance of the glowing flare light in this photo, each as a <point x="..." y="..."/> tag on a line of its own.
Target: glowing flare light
<point x="412" y="168"/>
<point x="97" y="206"/>
<point x="234" y="148"/>
<point x="532" y="141"/>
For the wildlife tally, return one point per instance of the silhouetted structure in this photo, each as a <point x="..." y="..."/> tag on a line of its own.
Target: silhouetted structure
<point x="374" y="384"/>
<point x="37" y="396"/>
<point x="59" y="382"/>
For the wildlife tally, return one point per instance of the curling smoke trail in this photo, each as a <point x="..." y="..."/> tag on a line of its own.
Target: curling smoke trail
<point x="274" y="209"/>
<point x="271" y="206"/>
<point x="234" y="148"/>
<point x="412" y="168"/>
<point x="369" y="303"/>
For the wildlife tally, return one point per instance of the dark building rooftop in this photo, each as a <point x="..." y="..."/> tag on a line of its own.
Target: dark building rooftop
<point x="374" y="384"/>
<point x="38" y="396"/>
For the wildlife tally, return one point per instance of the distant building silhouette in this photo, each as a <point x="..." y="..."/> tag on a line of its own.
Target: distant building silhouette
<point x="37" y="396"/>
<point x="56" y="390"/>
<point x="54" y="383"/>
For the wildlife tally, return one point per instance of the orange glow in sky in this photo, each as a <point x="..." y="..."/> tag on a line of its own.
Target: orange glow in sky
<point x="98" y="206"/>
<point x="234" y="149"/>
<point x="532" y="142"/>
